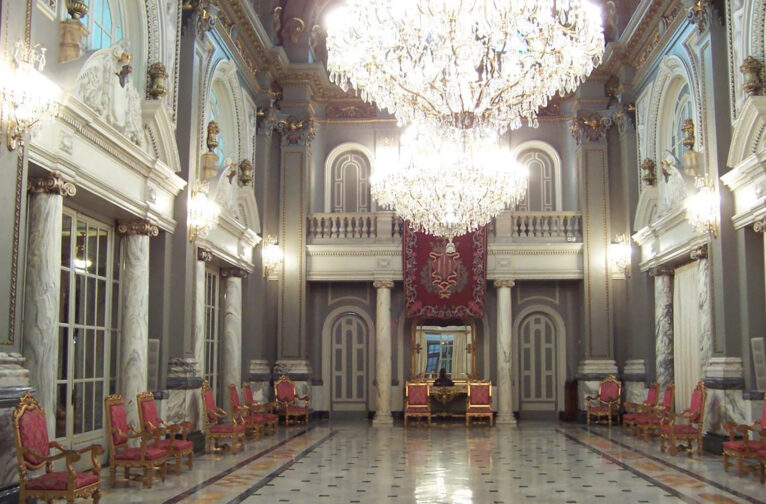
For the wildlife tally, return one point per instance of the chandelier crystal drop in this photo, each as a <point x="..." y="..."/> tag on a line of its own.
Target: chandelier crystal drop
<point x="468" y="64"/>
<point x="445" y="182"/>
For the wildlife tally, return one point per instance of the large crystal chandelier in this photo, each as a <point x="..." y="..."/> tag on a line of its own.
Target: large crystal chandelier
<point x="468" y="64"/>
<point x="445" y="183"/>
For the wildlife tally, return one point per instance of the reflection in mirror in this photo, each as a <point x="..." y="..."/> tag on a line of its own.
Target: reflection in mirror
<point x="448" y="347"/>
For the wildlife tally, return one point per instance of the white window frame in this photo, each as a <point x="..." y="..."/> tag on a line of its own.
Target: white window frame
<point x="212" y="324"/>
<point x="117" y="31"/>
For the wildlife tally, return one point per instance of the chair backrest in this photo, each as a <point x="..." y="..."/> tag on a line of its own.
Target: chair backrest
<point x="116" y="420"/>
<point x="417" y="393"/>
<point x="284" y="389"/>
<point x="31" y="431"/>
<point x="479" y="393"/>
<point x="247" y="392"/>
<point x="763" y="416"/>
<point x="236" y="405"/>
<point x="668" y="397"/>
<point x="208" y="401"/>
<point x="147" y="411"/>
<point x="609" y="389"/>
<point x="697" y="403"/>
<point x="651" y="394"/>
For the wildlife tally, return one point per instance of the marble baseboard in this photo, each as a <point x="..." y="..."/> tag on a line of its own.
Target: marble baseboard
<point x="635" y="391"/>
<point x="724" y="406"/>
<point x="183" y="405"/>
<point x="585" y="388"/>
<point x="261" y="390"/>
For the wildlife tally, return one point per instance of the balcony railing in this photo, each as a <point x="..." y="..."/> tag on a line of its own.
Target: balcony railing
<point x="387" y="227"/>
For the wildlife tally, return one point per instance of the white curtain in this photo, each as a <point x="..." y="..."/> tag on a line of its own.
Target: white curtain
<point x="459" y="354"/>
<point x="686" y="332"/>
<point x="421" y="359"/>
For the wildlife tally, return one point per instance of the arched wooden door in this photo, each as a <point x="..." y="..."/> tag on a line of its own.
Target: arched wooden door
<point x="349" y="382"/>
<point x="538" y="380"/>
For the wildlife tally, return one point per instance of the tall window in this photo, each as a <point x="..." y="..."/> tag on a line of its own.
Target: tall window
<point x="88" y="326"/>
<point x="682" y="112"/>
<point x="221" y="110"/>
<point x="212" y="287"/>
<point x="104" y="24"/>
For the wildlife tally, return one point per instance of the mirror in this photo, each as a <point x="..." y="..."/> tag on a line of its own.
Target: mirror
<point x="449" y="347"/>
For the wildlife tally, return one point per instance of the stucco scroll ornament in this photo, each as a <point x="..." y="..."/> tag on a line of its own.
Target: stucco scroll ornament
<point x="590" y="128"/>
<point x="138" y="227"/>
<point x="698" y="253"/>
<point x="699" y="14"/>
<point x="759" y="226"/>
<point x="105" y="86"/>
<point x="52" y="183"/>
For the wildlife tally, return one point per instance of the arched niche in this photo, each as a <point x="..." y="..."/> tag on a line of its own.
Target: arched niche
<point x="348" y="157"/>
<point x="544" y="164"/>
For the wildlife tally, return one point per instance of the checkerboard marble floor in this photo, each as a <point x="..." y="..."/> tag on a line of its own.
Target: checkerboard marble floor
<point x="536" y="462"/>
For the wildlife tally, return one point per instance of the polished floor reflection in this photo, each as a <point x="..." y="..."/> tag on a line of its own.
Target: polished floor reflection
<point x="355" y="463"/>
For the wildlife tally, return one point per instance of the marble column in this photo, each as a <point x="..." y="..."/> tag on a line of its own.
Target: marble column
<point x="43" y="285"/>
<point x="704" y="306"/>
<point x="663" y="324"/>
<point x="231" y="356"/>
<point x="134" y="339"/>
<point x="198" y="335"/>
<point x="504" y="353"/>
<point x="383" y="353"/>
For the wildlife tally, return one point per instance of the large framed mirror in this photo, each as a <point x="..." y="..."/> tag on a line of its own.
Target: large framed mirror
<point x="450" y="347"/>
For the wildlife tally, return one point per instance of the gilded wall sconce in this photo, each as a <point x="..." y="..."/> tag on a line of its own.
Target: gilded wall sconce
<point x="649" y="169"/>
<point x="751" y="72"/>
<point x="157" y="87"/>
<point x="210" y="158"/>
<point x="271" y="254"/>
<point x="246" y="173"/>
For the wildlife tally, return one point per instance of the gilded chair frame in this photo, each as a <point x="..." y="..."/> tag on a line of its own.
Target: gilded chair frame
<point x="267" y="408"/>
<point x="145" y="437"/>
<point x="749" y="448"/>
<point x="93" y="490"/>
<point x="658" y="413"/>
<point x="632" y="410"/>
<point x="670" y="436"/>
<point x="485" y="409"/>
<point x="257" y="429"/>
<point x="612" y="407"/>
<point x="283" y="406"/>
<point x="423" y="410"/>
<point x="211" y="420"/>
<point x="762" y="458"/>
<point x="170" y="431"/>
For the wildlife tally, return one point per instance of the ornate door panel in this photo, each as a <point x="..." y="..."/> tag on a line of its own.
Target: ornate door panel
<point x="537" y="355"/>
<point x="349" y="363"/>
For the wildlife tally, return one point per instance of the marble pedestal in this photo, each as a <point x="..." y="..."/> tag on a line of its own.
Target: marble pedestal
<point x="724" y="380"/>
<point x="184" y="401"/>
<point x="259" y="376"/>
<point x="14" y="383"/>
<point x="634" y="381"/>
<point x="590" y="372"/>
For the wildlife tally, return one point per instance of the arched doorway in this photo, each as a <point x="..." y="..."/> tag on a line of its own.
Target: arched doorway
<point x="539" y="355"/>
<point x="349" y="336"/>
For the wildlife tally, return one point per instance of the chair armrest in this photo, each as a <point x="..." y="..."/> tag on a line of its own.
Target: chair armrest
<point x="70" y="455"/>
<point x="95" y="450"/>
<point x="171" y="428"/>
<point x="731" y="428"/>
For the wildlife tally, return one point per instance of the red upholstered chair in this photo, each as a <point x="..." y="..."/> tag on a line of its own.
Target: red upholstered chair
<point x="254" y="422"/>
<point x="146" y="456"/>
<point x="417" y="401"/>
<point x="694" y="417"/>
<point x="151" y="421"/>
<point x="745" y="448"/>
<point x="479" y="402"/>
<point x="33" y="451"/>
<point x="633" y="410"/>
<point x="214" y="431"/>
<point x="287" y="401"/>
<point x="265" y="409"/>
<point x="650" y="420"/>
<point x="606" y="404"/>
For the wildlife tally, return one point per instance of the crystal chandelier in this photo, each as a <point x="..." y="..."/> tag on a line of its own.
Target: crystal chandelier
<point x="467" y="64"/>
<point x="446" y="183"/>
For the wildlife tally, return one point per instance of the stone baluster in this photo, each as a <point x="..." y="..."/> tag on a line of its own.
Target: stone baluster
<point x="43" y="285"/>
<point x="232" y="328"/>
<point x="504" y="353"/>
<point x="134" y="339"/>
<point x="383" y="353"/>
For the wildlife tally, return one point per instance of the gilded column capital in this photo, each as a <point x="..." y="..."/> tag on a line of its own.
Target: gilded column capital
<point x="52" y="183"/>
<point x="590" y="128"/>
<point x="297" y="131"/>
<point x="138" y="227"/>
<point x="234" y="273"/>
<point x="506" y="283"/>
<point x="383" y="284"/>
<point x="698" y="253"/>
<point x="661" y="271"/>
<point x="204" y="255"/>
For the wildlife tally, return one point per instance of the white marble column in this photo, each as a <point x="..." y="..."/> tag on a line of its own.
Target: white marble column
<point x="198" y="328"/>
<point x="663" y="324"/>
<point x="231" y="357"/>
<point x="504" y="353"/>
<point x="704" y="306"/>
<point x="383" y="353"/>
<point x="134" y="339"/>
<point x="43" y="284"/>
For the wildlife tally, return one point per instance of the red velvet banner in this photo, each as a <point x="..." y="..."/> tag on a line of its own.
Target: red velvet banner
<point x="441" y="284"/>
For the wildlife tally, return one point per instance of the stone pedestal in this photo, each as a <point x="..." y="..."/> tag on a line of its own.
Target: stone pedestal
<point x="184" y="400"/>
<point x="634" y="381"/>
<point x="724" y="380"/>
<point x="590" y="372"/>
<point x="134" y="339"/>
<point x="383" y="354"/>
<point x="299" y="371"/>
<point x="231" y="342"/>
<point x="43" y="283"/>
<point x="14" y="383"/>
<point x="504" y="387"/>
<point x="259" y="376"/>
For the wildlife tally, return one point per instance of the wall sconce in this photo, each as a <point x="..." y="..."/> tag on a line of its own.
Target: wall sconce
<point x="203" y="213"/>
<point x="691" y="157"/>
<point x="620" y="252"/>
<point x="210" y="158"/>
<point x="272" y="256"/>
<point x="702" y="209"/>
<point x="28" y="96"/>
<point x="246" y="173"/>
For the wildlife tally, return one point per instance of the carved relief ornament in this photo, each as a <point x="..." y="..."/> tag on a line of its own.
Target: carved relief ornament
<point x="590" y="128"/>
<point x="383" y="284"/>
<point x="297" y="131"/>
<point x="698" y="253"/>
<point x="234" y="273"/>
<point x="138" y="227"/>
<point x="505" y="283"/>
<point x="52" y="183"/>
<point x="204" y="255"/>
